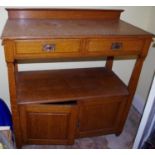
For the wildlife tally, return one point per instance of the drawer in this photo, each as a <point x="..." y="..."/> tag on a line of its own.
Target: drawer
<point x="114" y="46"/>
<point x="48" y="123"/>
<point x="46" y="47"/>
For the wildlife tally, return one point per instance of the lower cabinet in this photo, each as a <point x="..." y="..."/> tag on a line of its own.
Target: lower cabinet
<point x="48" y="123"/>
<point x="63" y="122"/>
<point x="100" y="116"/>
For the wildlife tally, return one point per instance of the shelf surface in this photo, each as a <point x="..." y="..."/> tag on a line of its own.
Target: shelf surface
<point x="67" y="85"/>
<point x="36" y="29"/>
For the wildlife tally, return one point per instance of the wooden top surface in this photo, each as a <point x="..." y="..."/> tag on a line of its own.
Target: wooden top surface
<point x="70" y="84"/>
<point x="64" y="23"/>
<point x="37" y="29"/>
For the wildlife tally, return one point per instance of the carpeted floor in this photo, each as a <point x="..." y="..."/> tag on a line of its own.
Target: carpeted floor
<point x="124" y="141"/>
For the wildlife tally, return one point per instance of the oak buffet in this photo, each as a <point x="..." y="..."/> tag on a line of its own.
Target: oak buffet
<point x="57" y="106"/>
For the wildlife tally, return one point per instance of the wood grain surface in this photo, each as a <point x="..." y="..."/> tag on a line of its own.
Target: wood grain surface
<point x="72" y="84"/>
<point x="48" y="13"/>
<point x="35" y="28"/>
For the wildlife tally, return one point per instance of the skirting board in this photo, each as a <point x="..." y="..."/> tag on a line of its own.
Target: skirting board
<point x="138" y="103"/>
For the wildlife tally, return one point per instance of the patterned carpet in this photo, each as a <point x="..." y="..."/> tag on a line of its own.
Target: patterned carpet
<point x="124" y="141"/>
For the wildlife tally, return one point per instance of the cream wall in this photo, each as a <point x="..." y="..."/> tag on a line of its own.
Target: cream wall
<point x="149" y="64"/>
<point x="139" y="16"/>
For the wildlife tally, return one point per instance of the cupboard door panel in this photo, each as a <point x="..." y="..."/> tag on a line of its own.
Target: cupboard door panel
<point x="48" y="124"/>
<point x="99" y="116"/>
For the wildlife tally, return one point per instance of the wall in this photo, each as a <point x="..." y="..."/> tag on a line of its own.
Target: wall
<point x="139" y="16"/>
<point x="149" y="66"/>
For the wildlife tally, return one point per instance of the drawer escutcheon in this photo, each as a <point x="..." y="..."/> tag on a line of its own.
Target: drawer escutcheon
<point x="116" y="46"/>
<point x="49" y="47"/>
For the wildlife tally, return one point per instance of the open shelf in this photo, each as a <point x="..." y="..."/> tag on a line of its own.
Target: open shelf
<point x="67" y="85"/>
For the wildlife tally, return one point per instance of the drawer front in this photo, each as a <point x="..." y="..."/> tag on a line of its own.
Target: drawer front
<point x="114" y="46"/>
<point x="52" y="46"/>
<point x="48" y="124"/>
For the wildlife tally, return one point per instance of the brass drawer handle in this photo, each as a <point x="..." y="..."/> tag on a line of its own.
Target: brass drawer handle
<point x="49" y="47"/>
<point x="116" y="46"/>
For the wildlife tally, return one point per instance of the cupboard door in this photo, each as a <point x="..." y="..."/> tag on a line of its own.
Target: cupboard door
<point x="48" y="124"/>
<point x="100" y="116"/>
